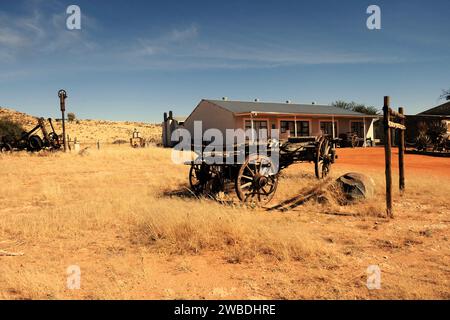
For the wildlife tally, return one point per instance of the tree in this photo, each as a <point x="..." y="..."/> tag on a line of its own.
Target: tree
<point x="71" y="116"/>
<point x="356" y="107"/>
<point x="445" y="95"/>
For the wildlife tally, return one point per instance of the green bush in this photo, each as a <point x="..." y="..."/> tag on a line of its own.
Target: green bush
<point x="10" y="128"/>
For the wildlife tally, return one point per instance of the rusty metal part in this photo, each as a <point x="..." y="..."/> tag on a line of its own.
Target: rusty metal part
<point x="62" y="94"/>
<point x="356" y="186"/>
<point x="30" y="141"/>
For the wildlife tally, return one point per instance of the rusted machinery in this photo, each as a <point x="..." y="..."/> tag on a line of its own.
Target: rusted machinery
<point x="255" y="179"/>
<point x="30" y="141"/>
<point x="350" y="139"/>
<point x="136" y="141"/>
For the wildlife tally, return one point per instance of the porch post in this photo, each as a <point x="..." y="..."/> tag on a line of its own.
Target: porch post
<point x="295" y="125"/>
<point x="332" y="125"/>
<point x="251" y="121"/>
<point x="364" y="122"/>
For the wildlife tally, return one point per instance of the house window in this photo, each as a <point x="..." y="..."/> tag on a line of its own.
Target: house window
<point x="302" y="127"/>
<point x="327" y="128"/>
<point x="358" y="128"/>
<point x="258" y="125"/>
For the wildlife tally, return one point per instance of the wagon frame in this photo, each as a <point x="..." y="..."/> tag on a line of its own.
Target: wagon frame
<point x="255" y="179"/>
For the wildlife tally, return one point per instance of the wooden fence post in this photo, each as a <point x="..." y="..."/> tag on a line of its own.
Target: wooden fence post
<point x="401" y="154"/>
<point x="388" y="156"/>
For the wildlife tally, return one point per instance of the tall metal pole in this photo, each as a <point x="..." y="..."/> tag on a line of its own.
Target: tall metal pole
<point x="62" y="103"/>
<point x="387" y="154"/>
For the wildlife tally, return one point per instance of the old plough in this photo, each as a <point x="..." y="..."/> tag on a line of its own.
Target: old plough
<point x="31" y="141"/>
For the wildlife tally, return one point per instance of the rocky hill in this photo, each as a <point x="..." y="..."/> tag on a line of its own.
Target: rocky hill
<point x="90" y="131"/>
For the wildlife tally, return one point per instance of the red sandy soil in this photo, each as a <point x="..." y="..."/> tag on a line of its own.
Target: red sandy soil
<point x="373" y="158"/>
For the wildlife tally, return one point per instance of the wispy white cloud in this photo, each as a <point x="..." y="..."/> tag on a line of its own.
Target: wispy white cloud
<point x="40" y="31"/>
<point x="40" y="34"/>
<point x="165" y="43"/>
<point x="186" y="48"/>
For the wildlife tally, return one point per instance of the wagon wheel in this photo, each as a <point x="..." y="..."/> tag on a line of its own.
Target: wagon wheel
<point x="5" y="148"/>
<point x="199" y="175"/>
<point x="322" y="163"/>
<point x="35" y="143"/>
<point x="54" y="140"/>
<point x="53" y="136"/>
<point x="257" y="180"/>
<point x="354" y="141"/>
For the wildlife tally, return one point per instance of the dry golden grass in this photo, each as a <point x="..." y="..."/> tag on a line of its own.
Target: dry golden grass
<point x="117" y="213"/>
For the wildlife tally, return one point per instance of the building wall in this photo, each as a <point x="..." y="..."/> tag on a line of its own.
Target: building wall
<point x="212" y="116"/>
<point x="343" y="124"/>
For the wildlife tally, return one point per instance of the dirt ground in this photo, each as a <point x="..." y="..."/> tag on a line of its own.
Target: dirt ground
<point x="373" y="159"/>
<point x="126" y="219"/>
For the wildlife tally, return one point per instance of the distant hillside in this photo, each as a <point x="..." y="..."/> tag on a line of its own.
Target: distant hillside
<point x="89" y="131"/>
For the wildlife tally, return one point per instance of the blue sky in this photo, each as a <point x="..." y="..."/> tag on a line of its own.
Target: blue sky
<point x="133" y="60"/>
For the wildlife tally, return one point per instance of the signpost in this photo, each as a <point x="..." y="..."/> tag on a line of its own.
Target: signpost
<point x="388" y="115"/>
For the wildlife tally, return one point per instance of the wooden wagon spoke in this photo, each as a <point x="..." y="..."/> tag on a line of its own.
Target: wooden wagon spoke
<point x="246" y="185"/>
<point x="249" y="169"/>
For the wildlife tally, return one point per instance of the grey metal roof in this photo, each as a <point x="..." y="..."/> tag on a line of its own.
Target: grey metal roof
<point x="284" y="108"/>
<point x="443" y="109"/>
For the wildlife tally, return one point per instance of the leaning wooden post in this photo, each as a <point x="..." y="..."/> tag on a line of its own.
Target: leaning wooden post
<point x="401" y="153"/>
<point x="387" y="155"/>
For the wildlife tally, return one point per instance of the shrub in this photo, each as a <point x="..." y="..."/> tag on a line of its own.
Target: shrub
<point x="71" y="116"/>
<point x="10" y="128"/>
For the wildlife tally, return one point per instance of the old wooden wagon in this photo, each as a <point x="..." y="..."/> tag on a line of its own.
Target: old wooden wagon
<point x="255" y="177"/>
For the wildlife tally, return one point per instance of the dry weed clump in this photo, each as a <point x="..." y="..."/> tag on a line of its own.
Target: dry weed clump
<point x="241" y="235"/>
